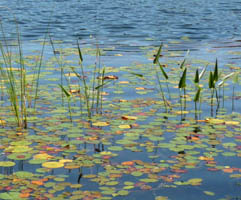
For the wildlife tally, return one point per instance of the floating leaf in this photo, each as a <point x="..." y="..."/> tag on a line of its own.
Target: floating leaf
<point x="126" y="117"/>
<point x="101" y="124"/>
<point x="195" y="181"/>
<point x="10" y="196"/>
<point x="65" y="161"/>
<point x="109" y="77"/>
<point x="161" y="198"/>
<point x="125" y="126"/>
<point x="205" y="158"/>
<point x="232" y="122"/>
<point x="123" y="192"/>
<point x="209" y="193"/>
<point x="24" y="174"/>
<point x="215" y="121"/>
<point x="137" y="173"/>
<point x="18" y="149"/>
<point x="111" y="183"/>
<point x="149" y="180"/>
<point x="7" y="164"/>
<point x="43" y="156"/>
<point x="52" y="165"/>
<point x="128" y="163"/>
<point x="37" y="182"/>
<point x="2" y="122"/>
<point x="182" y="112"/>
<point x="115" y="148"/>
<point x="235" y="176"/>
<point x="128" y="183"/>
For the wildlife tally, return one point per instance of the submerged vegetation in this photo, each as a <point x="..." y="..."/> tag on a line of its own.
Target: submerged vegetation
<point x="76" y="128"/>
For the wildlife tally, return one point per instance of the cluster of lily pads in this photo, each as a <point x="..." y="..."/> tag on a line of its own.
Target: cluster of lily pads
<point x="74" y="128"/>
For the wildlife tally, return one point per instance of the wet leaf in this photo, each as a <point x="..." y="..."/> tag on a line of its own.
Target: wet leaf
<point x="195" y="181"/>
<point x="149" y="180"/>
<point x="126" y="117"/>
<point x="7" y="164"/>
<point x="112" y="183"/>
<point x="24" y="174"/>
<point x="209" y="193"/>
<point x="123" y="192"/>
<point x="52" y="165"/>
<point x="137" y="173"/>
<point x="101" y="124"/>
<point x="124" y="126"/>
<point x="43" y="156"/>
<point x="161" y="198"/>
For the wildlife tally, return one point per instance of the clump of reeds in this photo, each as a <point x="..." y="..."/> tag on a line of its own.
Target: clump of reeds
<point x="15" y="83"/>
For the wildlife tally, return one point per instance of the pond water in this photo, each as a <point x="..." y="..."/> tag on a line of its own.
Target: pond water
<point x="137" y="143"/>
<point x="125" y="22"/>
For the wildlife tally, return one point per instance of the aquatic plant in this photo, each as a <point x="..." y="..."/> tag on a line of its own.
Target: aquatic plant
<point x="16" y="89"/>
<point x="156" y="62"/>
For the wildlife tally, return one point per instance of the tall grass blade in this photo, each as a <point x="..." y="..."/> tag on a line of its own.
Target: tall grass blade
<point x="80" y="54"/>
<point x="203" y="72"/>
<point x="182" y="82"/>
<point x="183" y="63"/>
<point x="225" y="78"/>
<point x="163" y="71"/>
<point x="215" y="74"/>
<point x="136" y="74"/>
<point x="211" y="80"/>
<point x="197" y="95"/>
<point x="156" y="59"/>
<point x="196" y="79"/>
<point x="67" y="94"/>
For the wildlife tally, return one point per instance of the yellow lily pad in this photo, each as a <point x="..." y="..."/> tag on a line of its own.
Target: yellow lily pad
<point x="215" y="121"/>
<point x="70" y="74"/>
<point x="43" y="156"/>
<point x="101" y="124"/>
<point x="18" y="149"/>
<point x="52" y="165"/>
<point x="65" y="161"/>
<point x="124" y="126"/>
<point x="105" y="153"/>
<point x="181" y="112"/>
<point x="126" y="117"/>
<point x="2" y="122"/>
<point x="231" y="122"/>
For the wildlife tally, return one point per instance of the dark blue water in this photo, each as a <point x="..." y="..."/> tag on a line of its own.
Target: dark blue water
<point x="124" y="22"/>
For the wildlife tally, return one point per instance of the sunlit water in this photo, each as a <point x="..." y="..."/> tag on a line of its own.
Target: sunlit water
<point x="210" y="29"/>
